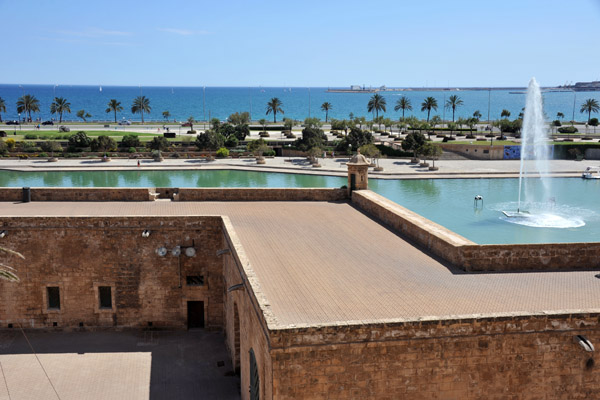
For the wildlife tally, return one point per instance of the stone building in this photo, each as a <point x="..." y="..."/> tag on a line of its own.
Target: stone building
<point x="320" y="295"/>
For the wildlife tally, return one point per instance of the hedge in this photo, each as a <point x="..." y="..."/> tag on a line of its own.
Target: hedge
<point x="389" y="152"/>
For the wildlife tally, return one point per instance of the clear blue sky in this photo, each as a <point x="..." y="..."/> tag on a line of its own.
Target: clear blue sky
<point x="299" y="43"/>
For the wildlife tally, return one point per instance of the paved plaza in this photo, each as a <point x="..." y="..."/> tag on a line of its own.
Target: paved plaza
<point x="115" y="365"/>
<point x="336" y="166"/>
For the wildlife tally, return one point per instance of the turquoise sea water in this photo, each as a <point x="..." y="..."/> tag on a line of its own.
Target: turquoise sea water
<point x="449" y="202"/>
<point x="220" y="102"/>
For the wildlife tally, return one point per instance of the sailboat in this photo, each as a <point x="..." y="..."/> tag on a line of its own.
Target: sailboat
<point x="100" y="89"/>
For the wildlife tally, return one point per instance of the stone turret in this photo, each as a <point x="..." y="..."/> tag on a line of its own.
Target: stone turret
<point x="358" y="168"/>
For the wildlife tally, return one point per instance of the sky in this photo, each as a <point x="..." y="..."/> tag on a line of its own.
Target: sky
<point x="299" y="43"/>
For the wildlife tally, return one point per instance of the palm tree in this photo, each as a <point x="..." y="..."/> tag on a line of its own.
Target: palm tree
<point x="84" y="115"/>
<point x="114" y="106"/>
<point x="59" y="106"/>
<point x="560" y="115"/>
<point x="274" y="106"/>
<point x="140" y="105"/>
<point x="429" y="104"/>
<point x="166" y="115"/>
<point x="590" y="106"/>
<point x="191" y="121"/>
<point x="505" y="113"/>
<point x="326" y="107"/>
<point x="2" y="107"/>
<point x="376" y="103"/>
<point x="6" y="272"/>
<point x="28" y="104"/>
<point x="477" y="115"/>
<point x="403" y="104"/>
<point x="454" y="102"/>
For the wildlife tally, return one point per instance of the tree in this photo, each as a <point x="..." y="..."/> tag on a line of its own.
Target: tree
<point x="376" y="103"/>
<point x="80" y="140"/>
<point x="403" y="104"/>
<point x="413" y="142"/>
<point x="356" y="138"/>
<point x="59" y="106"/>
<point x="435" y="120"/>
<point x="210" y="140"/>
<point x="505" y="113"/>
<point x="27" y="104"/>
<point x="166" y="115"/>
<point x="471" y="123"/>
<point x="239" y="118"/>
<point x="141" y="105"/>
<point x="6" y="272"/>
<point x="429" y="104"/>
<point x="477" y="115"/>
<point x="560" y="115"/>
<point x="431" y="151"/>
<point x="84" y="115"/>
<point x="191" y="121"/>
<point x="103" y="143"/>
<point x="274" y="106"/>
<point x="590" y="106"/>
<point x="594" y="122"/>
<point x="370" y="151"/>
<point x="114" y="106"/>
<point x="129" y="141"/>
<point x="263" y="122"/>
<point x="158" y="143"/>
<point x="326" y="107"/>
<point x="2" y="107"/>
<point x="312" y="123"/>
<point x="453" y="103"/>
<point x="312" y="136"/>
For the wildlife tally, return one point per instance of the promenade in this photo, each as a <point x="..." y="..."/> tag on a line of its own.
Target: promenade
<point x="392" y="168"/>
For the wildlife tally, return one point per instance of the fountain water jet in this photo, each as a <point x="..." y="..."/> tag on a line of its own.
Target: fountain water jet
<point x="535" y="158"/>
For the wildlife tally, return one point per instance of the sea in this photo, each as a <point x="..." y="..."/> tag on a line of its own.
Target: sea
<point x="204" y="103"/>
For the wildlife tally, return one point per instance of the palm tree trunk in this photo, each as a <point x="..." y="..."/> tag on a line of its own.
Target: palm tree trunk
<point x="589" y="115"/>
<point x="428" y="112"/>
<point x="274" y="116"/>
<point x="142" y="111"/>
<point x="115" y="116"/>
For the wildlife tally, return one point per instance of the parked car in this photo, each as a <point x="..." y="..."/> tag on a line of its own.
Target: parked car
<point x="47" y="123"/>
<point x="63" y="128"/>
<point x="13" y="122"/>
<point x="188" y="124"/>
<point x="124" y="122"/>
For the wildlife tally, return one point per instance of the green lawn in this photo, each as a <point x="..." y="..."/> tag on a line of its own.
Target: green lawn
<point x="44" y="135"/>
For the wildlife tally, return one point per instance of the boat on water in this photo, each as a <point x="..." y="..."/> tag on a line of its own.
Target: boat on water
<point x="591" y="173"/>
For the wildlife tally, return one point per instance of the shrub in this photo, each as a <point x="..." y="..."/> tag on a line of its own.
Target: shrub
<point x="31" y="136"/>
<point x="132" y="150"/>
<point x="43" y="154"/>
<point x="159" y="143"/>
<point x="269" y="153"/>
<point x="129" y="141"/>
<point x="51" y="146"/>
<point x="222" y="152"/>
<point x="191" y="132"/>
<point x="63" y="128"/>
<point x="10" y="143"/>
<point x="311" y="137"/>
<point x="103" y="143"/>
<point x="567" y="129"/>
<point x="264" y="134"/>
<point x="232" y="141"/>
<point x="80" y="140"/>
<point x="3" y="147"/>
<point x="594" y="122"/>
<point x="556" y="122"/>
<point x="210" y="140"/>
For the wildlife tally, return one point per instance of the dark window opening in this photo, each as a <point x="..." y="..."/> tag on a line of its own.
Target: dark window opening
<point x="53" y="297"/>
<point x="195" y="314"/>
<point x="254" y="378"/>
<point x="194" y="280"/>
<point x="105" y="295"/>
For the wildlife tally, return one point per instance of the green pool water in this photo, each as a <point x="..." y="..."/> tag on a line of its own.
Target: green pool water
<point x="575" y="208"/>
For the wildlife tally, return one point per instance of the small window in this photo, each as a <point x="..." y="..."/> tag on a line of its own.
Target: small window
<point x="105" y="296"/>
<point x="194" y="280"/>
<point x="53" y="297"/>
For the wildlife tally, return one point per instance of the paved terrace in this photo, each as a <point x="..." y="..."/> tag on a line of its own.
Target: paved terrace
<point x="393" y="168"/>
<point x="324" y="263"/>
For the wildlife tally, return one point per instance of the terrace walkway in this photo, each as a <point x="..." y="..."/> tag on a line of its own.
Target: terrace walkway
<point x="322" y="263"/>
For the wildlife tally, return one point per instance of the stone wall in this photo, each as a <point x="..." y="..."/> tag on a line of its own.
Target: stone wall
<point x="245" y="313"/>
<point x="529" y="357"/>
<point x="476" y="151"/>
<point x="435" y="238"/>
<point x="76" y="194"/>
<point x="470" y="256"/>
<point x="78" y="254"/>
<point x="261" y="194"/>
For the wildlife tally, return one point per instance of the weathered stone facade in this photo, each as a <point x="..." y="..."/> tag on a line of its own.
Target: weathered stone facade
<point x="80" y="254"/>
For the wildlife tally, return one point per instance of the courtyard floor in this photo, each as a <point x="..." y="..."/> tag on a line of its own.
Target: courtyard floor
<point x="115" y="365"/>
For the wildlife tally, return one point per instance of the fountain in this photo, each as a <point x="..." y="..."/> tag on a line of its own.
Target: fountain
<point x="543" y="211"/>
